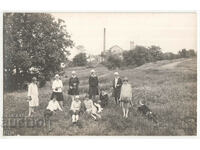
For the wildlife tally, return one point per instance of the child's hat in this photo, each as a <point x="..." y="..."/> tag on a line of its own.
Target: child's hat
<point x="116" y="73"/>
<point x="57" y="75"/>
<point x="92" y="71"/>
<point x="73" y="72"/>
<point x="77" y="97"/>
<point x="125" y="79"/>
<point x="34" y="79"/>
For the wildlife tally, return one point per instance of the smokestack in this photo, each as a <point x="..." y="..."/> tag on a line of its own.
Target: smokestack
<point x="104" y="40"/>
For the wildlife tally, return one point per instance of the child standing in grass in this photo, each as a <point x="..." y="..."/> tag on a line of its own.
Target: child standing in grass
<point x="53" y="105"/>
<point x="91" y="109"/>
<point x="33" y="96"/>
<point x="103" y="98"/>
<point x="57" y="87"/>
<point x="126" y="97"/>
<point x="75" y="109"/>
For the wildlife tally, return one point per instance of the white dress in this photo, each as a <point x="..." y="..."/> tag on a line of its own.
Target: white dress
<point x="33" y="93"/>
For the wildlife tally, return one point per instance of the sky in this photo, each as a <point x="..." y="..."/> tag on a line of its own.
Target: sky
<point x="171" y="31"/>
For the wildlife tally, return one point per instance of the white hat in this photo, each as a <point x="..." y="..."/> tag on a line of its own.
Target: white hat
<point x="92" y="71"/>
<point x="77" y="97"/>
<point x="116" y="73"/>
<point x="73" y="72"/>
<point x="57" y="75"/>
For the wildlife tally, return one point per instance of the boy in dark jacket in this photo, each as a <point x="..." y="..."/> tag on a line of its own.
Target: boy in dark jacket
<point x="103" y="98"/>
<point x="144" y="110"/>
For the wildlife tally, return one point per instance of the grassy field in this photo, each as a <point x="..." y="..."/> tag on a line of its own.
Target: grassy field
<point x="169" y="87"/>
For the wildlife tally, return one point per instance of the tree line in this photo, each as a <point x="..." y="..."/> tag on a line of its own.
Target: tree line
<point x="141" y="55"/>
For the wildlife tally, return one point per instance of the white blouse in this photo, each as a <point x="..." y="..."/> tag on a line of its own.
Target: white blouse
<point x="53" y="105"/>
<point x="57" y="84"/>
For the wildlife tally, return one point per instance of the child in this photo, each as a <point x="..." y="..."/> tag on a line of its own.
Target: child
<point x="126" y="97"/>
<point x="144" y="110"/>
<point x="53" y="105"/>
<point x="33" y="96"/>
<point x="75" y="109"/>
<point x="91" y="108"/>
<point x="97" y="104"/>
<point x="57" y="88"/>
<point x="103" y="98"/>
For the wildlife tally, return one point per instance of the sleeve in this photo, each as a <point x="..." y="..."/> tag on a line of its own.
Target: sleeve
<point x="61" y="84"/>
<point x="78" y="81"/>
<point x="89" y="80"/>
<point x="58" y="106"/>
<point x="70" y="82"/>
<point x="97" y="81"/>
<point x="120" y="82"/>
<point x="29" y="90"/>
<point x="72" y="106"/>
<point x="53" y="85"/>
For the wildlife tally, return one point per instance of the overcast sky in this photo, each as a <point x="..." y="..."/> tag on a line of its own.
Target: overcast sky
<point x="170" y="31"/>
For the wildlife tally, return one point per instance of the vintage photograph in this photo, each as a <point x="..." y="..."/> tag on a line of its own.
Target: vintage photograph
<point x="99" y="74"/>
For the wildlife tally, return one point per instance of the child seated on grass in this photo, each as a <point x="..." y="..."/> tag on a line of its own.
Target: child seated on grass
<point x="75" y="109"/>
<point x="53" y="105"/>
<point x="103" y="98"/>
<point x="97" y="104"/>
<point x="91" y="109"/>
<point x="144" y="110"/>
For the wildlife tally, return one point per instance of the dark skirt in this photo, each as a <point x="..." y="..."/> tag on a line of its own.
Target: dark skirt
<point x="116" y="92"/>
<point x="73" y="91"/>
<point x="93" y="91"/>
<point x="59" y="96"/>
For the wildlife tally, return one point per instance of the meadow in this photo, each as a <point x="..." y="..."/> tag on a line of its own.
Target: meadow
<point x="169" y="87"/>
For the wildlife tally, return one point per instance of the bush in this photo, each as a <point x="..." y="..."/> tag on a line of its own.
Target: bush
<point x="80" y="59"/>
<point x="113" y="62"/>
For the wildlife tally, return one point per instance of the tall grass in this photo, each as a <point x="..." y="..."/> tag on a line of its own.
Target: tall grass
<point x="171" y="93"/>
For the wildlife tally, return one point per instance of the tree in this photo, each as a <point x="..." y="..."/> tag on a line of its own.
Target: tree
<point x="80" y="59"/>
<point x="33" y="40"/>
<point x="113" y="62"/>
<point x="155" y="53"/>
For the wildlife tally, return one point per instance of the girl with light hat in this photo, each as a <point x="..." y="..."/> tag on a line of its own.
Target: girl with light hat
<point x="75" y="109"/>
<point x="93" y="85"/>
<point x="57" y="87"/>
<point x="33" y="96"/>
<point x="126" y="97"/>
<point x="73" y="85"/>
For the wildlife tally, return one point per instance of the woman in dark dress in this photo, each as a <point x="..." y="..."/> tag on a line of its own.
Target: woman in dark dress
<point x="93" y="85"/>
<point x="73" y="85"/>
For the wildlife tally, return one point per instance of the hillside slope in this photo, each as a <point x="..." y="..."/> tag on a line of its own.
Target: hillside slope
<point x="169" y="87"/>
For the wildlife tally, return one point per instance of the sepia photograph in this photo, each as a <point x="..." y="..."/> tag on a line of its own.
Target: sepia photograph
<point x="100" y="74"/>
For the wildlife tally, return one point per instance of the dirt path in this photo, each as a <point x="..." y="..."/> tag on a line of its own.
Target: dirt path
<point x="173" y="64"/>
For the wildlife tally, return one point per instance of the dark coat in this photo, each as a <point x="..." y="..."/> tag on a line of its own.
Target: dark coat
<point x="117" y="89"/>
<point x="104" y="100"/>
<point x="93" y="85"/>
<point x="74" y="83"/>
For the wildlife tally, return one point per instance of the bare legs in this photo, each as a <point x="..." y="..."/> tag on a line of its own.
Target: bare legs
<point x="75" y="118"/>
<point x="125" y="109"/>
<point x="31" y="110"/>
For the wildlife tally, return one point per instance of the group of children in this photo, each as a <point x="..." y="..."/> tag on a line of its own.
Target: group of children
<point x="92" y="108"/>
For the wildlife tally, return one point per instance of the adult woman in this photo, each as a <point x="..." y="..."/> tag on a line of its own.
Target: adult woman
<point x="93" y="85"/>
<point x="73" y="85"/>
<point x="57" y="87"/>
<point x="126" y="97"/>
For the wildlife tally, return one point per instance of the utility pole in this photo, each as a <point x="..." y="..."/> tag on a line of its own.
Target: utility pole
<point x="104" y="40"/>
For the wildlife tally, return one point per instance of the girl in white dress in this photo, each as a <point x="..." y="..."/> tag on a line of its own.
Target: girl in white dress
<point x="33" y="96"/>
<point x="126" y="97"/>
